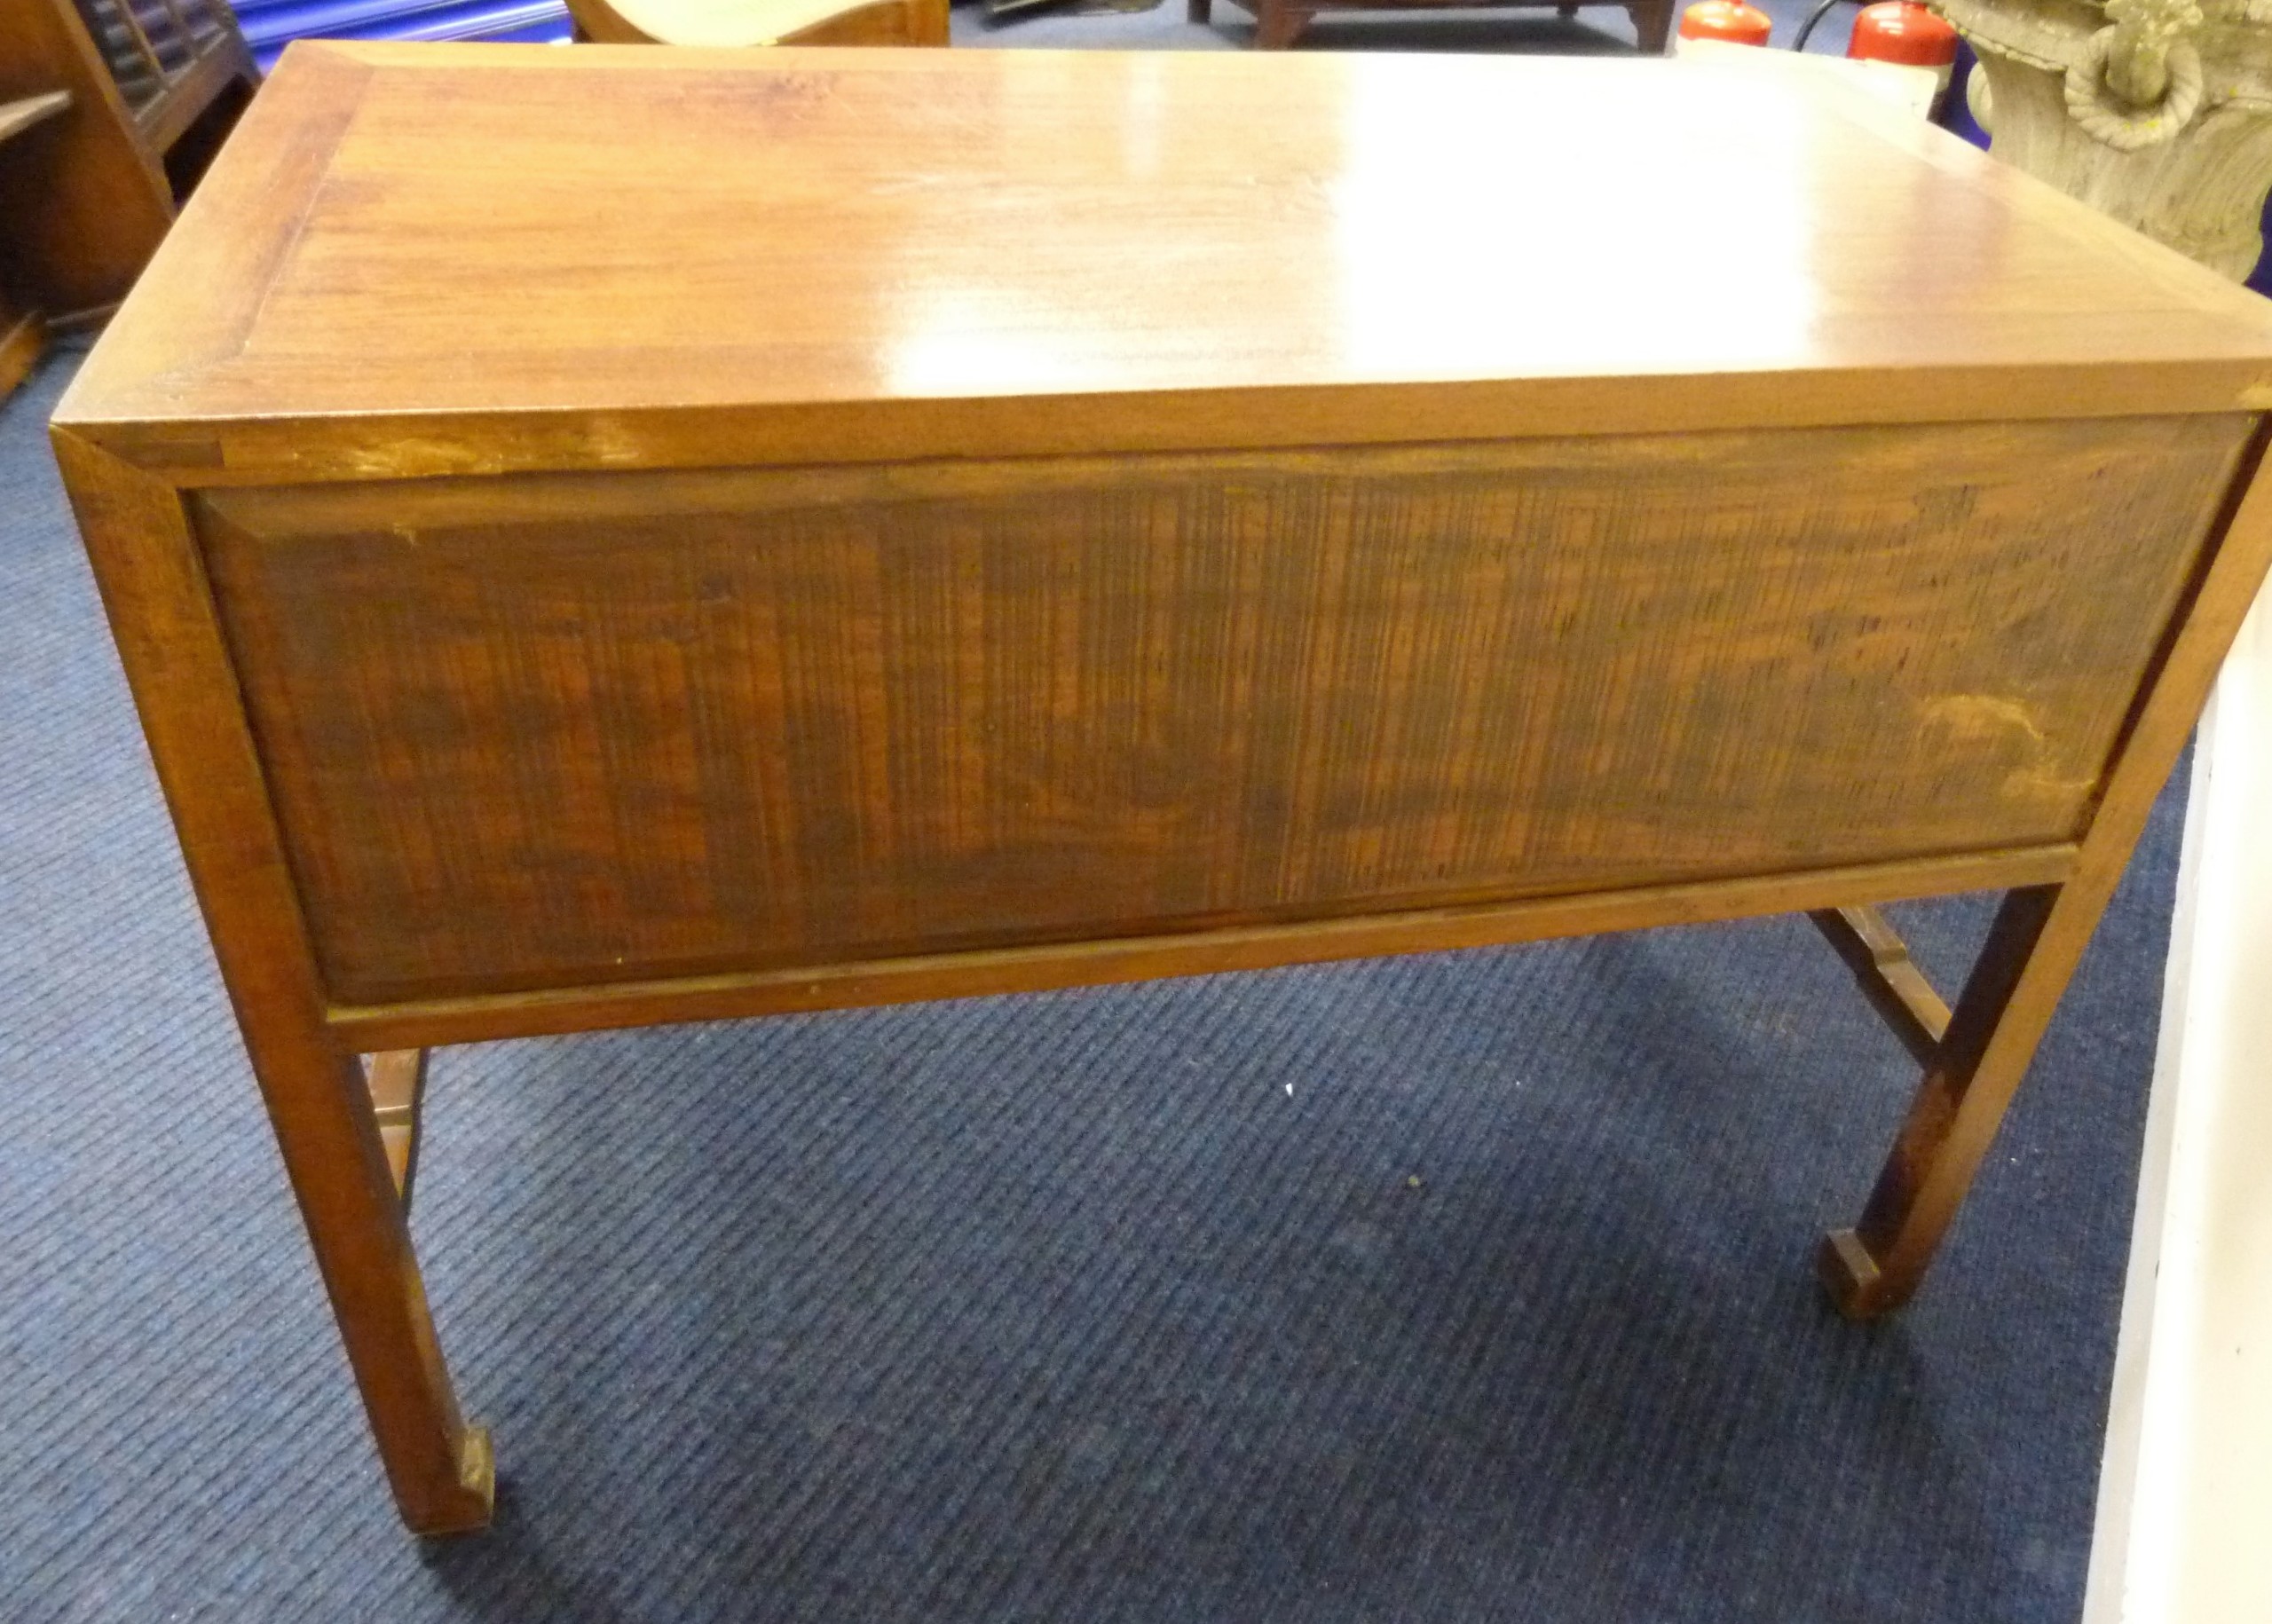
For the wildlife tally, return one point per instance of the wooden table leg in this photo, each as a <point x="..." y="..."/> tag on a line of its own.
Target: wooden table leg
<point x="2039" y="936"/>
<point x="2032" y="950"/>
<point x="152" y="580"/>
<point x="441" y="1469"/>
<point x="1651" y="25"/>
<point x="1279" y="23"/>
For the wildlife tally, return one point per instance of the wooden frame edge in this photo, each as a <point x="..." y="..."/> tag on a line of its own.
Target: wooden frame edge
<point x="270" y="152"/>
<point x="303" y="448"/>
<point x="420" y="1023"/>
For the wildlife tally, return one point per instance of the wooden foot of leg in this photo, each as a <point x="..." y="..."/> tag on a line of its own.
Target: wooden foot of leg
<point x="477" y="1479"/>
<point x="1848" y="1273"/>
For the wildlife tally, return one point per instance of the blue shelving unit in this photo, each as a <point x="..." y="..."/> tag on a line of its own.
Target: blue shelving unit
<point x="270" y="25"/>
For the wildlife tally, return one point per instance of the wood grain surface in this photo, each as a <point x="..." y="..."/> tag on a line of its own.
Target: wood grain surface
<point x="482" y="1017"/>
<point x="536" y="732"/>
<point x="435" y="259"/>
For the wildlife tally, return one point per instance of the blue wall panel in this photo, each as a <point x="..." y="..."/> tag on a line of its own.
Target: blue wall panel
<point x="269" y="25"/>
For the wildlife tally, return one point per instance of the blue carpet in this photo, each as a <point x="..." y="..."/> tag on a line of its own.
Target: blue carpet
<point x="1465" y="1287"/>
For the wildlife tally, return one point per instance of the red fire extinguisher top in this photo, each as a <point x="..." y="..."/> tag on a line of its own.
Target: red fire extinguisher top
<point x="1726" y="20"/>
<point x="1902" y="31"/>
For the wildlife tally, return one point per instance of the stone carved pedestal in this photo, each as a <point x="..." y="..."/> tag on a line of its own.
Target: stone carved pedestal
<point x="2156" y="112"/>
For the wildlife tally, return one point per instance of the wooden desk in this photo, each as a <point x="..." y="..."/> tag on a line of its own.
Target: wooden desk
<point x="852" y="526"/>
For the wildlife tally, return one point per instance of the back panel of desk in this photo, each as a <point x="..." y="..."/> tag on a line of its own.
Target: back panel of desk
<point x="554" y="730"/>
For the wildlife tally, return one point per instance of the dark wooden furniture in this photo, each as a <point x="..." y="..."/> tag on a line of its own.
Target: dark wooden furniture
<point x="23" y="340"/>
<point x="761" y="22"/>
<point x="1279" y="23"/>
<point x="154" y="86"/>
<point x="966" y="581"/>
<point x="23" y="334"/>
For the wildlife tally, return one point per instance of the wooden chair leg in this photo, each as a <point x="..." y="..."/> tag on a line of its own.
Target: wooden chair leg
<point x="2031" y="950"/>
<point x="1200" y="11"/>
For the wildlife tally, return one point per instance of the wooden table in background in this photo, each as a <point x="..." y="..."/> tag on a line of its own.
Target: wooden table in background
<point x="852" y="526"/>
<point x="1279" y="23"/>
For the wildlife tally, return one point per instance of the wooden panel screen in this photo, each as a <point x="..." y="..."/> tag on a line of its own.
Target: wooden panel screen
<point x="549" y="730"/>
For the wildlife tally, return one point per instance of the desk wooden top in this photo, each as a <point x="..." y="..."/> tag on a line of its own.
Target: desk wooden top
<point x="432" y="258"/>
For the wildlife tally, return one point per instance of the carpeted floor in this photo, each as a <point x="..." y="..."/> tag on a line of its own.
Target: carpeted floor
<point x="1458" y="1288"/>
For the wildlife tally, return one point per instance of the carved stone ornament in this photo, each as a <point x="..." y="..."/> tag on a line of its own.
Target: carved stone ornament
<point x="2157" y="112"/>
